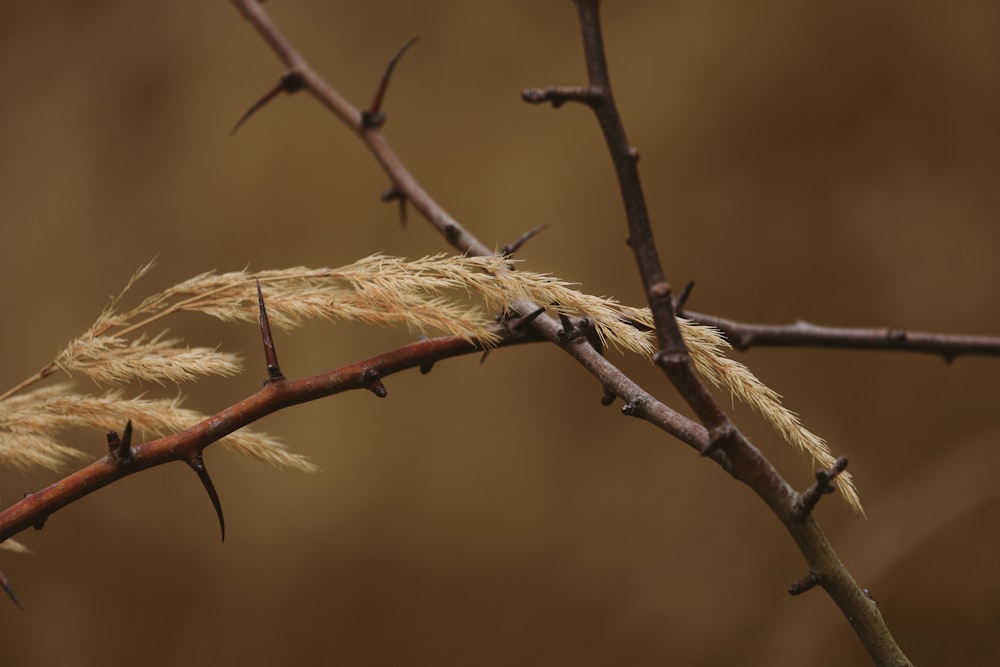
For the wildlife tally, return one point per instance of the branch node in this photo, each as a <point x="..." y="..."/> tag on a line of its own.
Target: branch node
<point x="608" y="397"/>
<point x="197" y="463"/>
<point x="557" y="96"/>
<point x="290" y="82"/>
<point x="274" y="373"/>
<point x="718" y="437"/>
<point x="810" y="580"/>
<point x="373" y="383"/>
<point x="808" y="499"/>
<point x="40" y="521"/>
<point x="517" y="325"/>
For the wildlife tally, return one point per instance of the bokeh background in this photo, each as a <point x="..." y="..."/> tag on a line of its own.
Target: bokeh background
<point x="832" y="161"/>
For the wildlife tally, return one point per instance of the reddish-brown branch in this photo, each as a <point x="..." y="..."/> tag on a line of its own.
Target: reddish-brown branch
<point x="187" y="445"/>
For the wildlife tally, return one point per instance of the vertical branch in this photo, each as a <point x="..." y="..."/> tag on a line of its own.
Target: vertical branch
<point x="672" y="357"/>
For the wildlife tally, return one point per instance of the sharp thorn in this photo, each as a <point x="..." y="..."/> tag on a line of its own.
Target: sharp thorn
<point x="683" y="297"/>
<point x="197" y="464"/>
<point x="511" y="248"/>
<point x="373" y="116"/>
<point x="274" y="373"/>
<point x="391" y="194"/>
<point x="5" y="584"/>
<point x="120" y="447"/>
<point x="290" y="82"/>
<point x="809" y="498"/>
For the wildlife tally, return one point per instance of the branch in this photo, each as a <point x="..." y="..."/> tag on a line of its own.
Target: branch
<point x="123" y="460"/>
<point x="746" y="461"/>
<point x="744" y="335"/>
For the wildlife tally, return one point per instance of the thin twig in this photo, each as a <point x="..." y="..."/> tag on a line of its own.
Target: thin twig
<point x="745" y="335"/>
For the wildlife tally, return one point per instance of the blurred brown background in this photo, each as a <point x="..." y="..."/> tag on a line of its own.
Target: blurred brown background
<point x="836" y="162"/>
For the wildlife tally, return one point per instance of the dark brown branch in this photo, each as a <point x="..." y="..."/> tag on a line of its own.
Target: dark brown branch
<point x="743" y="336"/>
<point x="746" y="462"/>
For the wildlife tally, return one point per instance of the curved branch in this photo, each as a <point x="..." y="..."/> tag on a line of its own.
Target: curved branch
<point x="36" y="507"/>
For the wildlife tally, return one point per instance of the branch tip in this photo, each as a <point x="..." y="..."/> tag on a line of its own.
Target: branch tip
<point x="197" y="463"/>
<point x="373" y="383"/>
<point x="809" y="581"/>
<point x="809" y="498"/>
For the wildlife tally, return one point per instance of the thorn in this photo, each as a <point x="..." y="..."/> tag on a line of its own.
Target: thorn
<point x="373" y="116"/>
<point x="274" y="373"/>
<point x="683" y="297"/>
<point x="40" y="522"/>
<point x="374" y="384"/>
<point x="824" y="484"/>
<point x="518" y="324"/>
<point x="120" y="448"/>
<point x="290" y="82"/>
<point x="609" y="397"/>
<point x="391" y="194"/>
<point x="197" y="464"/>
<point x="810" y="580"/>
<point x="511" y="248"/>
<point x="5" y="584"/>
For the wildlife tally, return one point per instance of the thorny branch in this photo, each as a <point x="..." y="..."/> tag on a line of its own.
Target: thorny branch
<point x="721" y="441"/>
<point x="123" y="459"/>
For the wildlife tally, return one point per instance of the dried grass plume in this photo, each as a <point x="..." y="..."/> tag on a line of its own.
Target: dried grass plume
<point x="454" y="295"/>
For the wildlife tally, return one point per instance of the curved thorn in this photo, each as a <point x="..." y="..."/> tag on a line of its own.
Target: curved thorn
<point x="373" y="116"/>
<point x="197" y="464"/>
<point x="289" y="82"/>
<point x="5" y="584"/>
